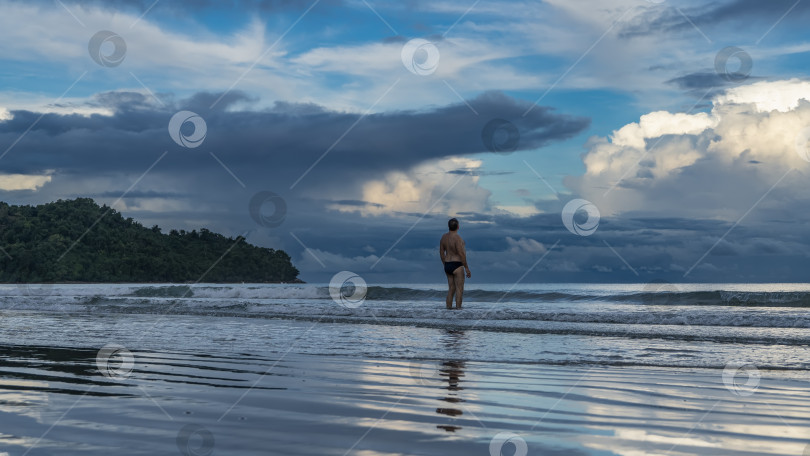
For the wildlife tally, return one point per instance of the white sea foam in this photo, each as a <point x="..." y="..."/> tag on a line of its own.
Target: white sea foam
<point x="764" y="315"/>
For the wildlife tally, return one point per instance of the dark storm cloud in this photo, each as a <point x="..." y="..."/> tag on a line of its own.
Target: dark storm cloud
<point x="277" y="144"/>
<point x="475" y="172"/>
<point x="699" y="81"/>
<point x="753" y="9"/>
<point x="705" y="85"/>
<point x="659" y="19"/>
<point x="357" y="203"/>
<point x="139" y="194"/>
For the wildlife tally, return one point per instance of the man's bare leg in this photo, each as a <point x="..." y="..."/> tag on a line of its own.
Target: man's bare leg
<point x="458" y="278"/>
<point x="451" y="289"/>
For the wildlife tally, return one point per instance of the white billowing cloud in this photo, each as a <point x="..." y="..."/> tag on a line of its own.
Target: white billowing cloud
<point x="524" y="245"/>
<point x="782" y="96"/>
<point x="628" y="143"/>
<point x="10" y="182"/>
<point x="715" y="164"/>
<point x="660" y="123"/>
<point x="438" y="187"/>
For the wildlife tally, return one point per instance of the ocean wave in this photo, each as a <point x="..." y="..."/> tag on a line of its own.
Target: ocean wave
<point x="383" y="293"/>
<point x="377" y="312"/>
<point x="719" y="297"/>
<point x="665" y="296"/>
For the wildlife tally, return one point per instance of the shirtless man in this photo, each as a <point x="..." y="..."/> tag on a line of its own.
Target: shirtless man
<point x="454" y="257"/>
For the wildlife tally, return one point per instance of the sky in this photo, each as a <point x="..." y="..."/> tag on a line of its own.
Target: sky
<point x="576" y="140"/>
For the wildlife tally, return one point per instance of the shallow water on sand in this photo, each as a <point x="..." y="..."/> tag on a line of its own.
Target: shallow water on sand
<point x="229" y="370"/>
<point x="194" y="403"/>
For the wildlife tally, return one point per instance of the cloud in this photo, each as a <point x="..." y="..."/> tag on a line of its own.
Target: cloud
<point x="501" y="45"/>
<point x="178" y="48"/>
<point x="699" y="81"/>
<point x="183" y="6"/>
<point x="182" y="57"/>
<point x="661" y="123"/>
<point x="782" y="96"/>
<point x="447" y="186"/>
<point x="14" y="182"/>
<point x="524" y="245"/>
<point x="430" y="186"/>
<point x="671" y="19"/>
<point x="713" y="165"/>
<point x="706" y="85"/>
<point x="518" y="211"/>
<point x="278" y="144"/>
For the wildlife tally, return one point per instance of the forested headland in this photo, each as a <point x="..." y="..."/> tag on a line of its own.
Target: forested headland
<point x="80" y="241"/>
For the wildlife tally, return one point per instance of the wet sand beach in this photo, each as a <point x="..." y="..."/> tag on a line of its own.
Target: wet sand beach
<point x="99" y="370"/>
<point x="54" y="400"/>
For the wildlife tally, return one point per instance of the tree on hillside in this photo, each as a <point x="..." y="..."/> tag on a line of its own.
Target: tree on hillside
<point x="35" y="239"/>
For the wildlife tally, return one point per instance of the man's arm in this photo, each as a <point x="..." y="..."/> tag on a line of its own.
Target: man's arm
<point x="462" y="251"/>
<point x="442" y="252"/>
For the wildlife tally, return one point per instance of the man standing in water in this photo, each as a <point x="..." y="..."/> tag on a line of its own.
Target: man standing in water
<point x="454" y="257"/>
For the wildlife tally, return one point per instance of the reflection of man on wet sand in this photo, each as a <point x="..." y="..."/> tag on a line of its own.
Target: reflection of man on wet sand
<point x="454" y="257"/>
<point x="453" y="371"/>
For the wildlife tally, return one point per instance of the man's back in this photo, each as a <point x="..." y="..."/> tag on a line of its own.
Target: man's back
<point x="452" y="243"/>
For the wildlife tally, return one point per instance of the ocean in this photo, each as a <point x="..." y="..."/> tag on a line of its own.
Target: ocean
<point x="294" y="369"/>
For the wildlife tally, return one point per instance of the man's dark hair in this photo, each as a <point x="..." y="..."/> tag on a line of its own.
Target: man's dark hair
<point x="452" y="224"/>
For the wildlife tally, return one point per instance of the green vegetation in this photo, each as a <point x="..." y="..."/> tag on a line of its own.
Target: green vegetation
<point x="34" y="240"/>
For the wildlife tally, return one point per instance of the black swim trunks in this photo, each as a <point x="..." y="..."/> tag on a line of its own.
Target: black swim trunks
<point x="450" y="266"/>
